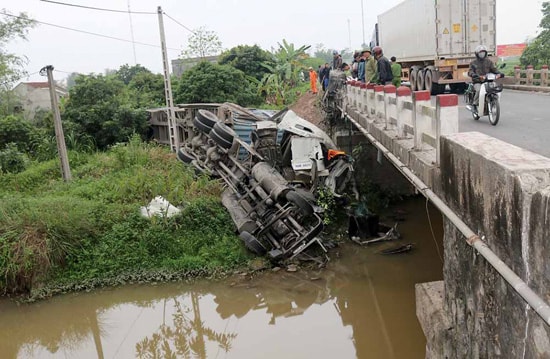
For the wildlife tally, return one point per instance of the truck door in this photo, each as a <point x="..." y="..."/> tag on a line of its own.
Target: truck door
<point x="450" y="29"/>
<point x="480" y="20"/>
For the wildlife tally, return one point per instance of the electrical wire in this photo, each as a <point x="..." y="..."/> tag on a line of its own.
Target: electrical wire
<point x="91" y="33"/>
<point x="100" y="9"/>
<point x="432" y="229"/>
<point x="179" y="23"/>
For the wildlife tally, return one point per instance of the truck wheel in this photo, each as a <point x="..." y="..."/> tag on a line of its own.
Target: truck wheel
<point x="420" y="80"/>
<point x="201" y="126"/>
<point x="184" y="156"/>
<point x="252" y="243"/>
<point x="224" y="131"/>
<point x="222" y="142"/>
<point x="207" y="118"/>
<point x="413" y="79"/>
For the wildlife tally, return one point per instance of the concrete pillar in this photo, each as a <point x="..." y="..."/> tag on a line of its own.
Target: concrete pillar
<point x="371" y="104"/>
<point x="446" y="119"/>
<point x="530" y="72"/>
<point x="390" y="105"/>
<point x="420" y="124"/>
<point x="379" y="102"/>
<point x="501" y="192"/>
<point x="517" y="75"/>
<point x="544" y="75"/>
<point x="404" y="110"/>
<point x="363" y="98"/>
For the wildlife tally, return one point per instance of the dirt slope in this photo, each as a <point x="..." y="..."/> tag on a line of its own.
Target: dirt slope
<point x="308" y="108"/>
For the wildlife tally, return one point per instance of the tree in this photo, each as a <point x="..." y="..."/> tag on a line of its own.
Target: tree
<point x="288" y="62"/>
<point x="538" y="51"/>
<point x="148" y="89"/>
<point x="248" y="59"/>
<point x="126" y="72"/>
<point x="12" y="27"/>
<point x="202" y="43"/>
<point x="209" y="82"/>
<point x="102" y="107"/>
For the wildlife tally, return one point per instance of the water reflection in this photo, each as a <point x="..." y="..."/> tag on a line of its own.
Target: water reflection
<point x="361" y="305"/>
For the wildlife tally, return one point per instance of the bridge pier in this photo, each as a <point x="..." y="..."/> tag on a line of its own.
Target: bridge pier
<point x="497" y="190"/>
<point x="503" y="193"/>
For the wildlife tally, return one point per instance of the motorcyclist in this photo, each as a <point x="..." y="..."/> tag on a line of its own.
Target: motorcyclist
<point x="479" y="68"/>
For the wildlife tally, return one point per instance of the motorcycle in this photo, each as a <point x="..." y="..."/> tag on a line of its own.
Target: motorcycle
<point x="489" y="99"/>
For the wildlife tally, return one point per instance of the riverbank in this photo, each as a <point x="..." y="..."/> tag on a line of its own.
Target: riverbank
<point x="59" y="237"/>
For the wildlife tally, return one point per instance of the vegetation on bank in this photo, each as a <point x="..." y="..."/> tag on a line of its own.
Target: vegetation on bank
<point x="89" y="232"/>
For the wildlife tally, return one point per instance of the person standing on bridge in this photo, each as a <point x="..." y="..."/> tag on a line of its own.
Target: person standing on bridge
<point x="396" y="72"/>
<point x="313" y="80"/>
<point x="383" y="67"/>
<point x="336" y="60"/>
<point x="479" y="68"/>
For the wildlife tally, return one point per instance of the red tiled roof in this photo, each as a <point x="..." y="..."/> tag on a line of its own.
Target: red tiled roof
<point x="37" y="84"/>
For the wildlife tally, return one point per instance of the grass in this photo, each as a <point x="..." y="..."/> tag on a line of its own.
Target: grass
<point x="89" y="232"/>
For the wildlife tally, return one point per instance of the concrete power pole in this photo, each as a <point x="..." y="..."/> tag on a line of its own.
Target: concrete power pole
<point x="172" y="126"/>
<point x="59" y="136"/>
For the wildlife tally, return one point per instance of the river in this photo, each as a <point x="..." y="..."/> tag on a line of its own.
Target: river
<point x="361" y="305"/>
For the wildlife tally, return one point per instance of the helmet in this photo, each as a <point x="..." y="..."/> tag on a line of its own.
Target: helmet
<point x="479" y="49"/>
<point x="377" y="51"/>
<point x="334" y="52"/>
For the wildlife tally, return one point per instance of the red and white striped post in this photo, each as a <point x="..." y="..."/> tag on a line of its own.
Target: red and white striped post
<point x="390" y="104"/>
<point x="371" y="105"/>
<point x="446" y="119"/>
<point x="404" y="112"/>
<point x="420" y="124"/>
<point x="379" y="102"/>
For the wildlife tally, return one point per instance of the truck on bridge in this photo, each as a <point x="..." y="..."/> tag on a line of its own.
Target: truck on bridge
<point x="435" y="40"/>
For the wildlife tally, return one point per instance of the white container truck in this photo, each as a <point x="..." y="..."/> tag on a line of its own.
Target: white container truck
<point x="434" y="40"/>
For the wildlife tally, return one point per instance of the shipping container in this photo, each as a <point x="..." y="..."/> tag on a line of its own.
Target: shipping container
<point x="434" y="40"/>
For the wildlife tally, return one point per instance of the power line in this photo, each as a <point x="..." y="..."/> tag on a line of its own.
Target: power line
<point x="91" y="33"/>
<point x="100" y="9"/>
<point x="179" y="23"/>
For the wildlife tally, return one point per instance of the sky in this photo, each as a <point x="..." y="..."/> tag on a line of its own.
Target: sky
<point x="335" y="24"/>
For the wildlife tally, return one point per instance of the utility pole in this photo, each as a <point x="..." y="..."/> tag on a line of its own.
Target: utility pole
<point x="349" y="35"/>
<point x="172" y="126"/>
<point x="363" y="22"/>
<point x="59" y="136"/>
<point x="132" y="31"/>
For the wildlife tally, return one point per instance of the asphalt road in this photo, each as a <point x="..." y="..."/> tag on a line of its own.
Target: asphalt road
<point x="524" y="120"/>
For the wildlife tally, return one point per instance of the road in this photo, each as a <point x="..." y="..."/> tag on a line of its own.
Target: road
<point x="524" y="121"/>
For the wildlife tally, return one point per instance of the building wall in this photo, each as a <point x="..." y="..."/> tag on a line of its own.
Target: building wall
<point x="33" y="99"/>
<point x="179" y="66"/>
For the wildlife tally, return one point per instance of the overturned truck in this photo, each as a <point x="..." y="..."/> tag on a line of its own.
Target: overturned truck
<point x="271" y="164"/>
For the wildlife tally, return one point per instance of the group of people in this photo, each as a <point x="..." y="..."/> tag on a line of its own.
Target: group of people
<point x="368" y="66"/>
<point x="371" y="66"/>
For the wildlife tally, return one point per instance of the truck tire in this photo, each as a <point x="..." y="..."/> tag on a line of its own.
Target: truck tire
<point x="430" y="85"/>
<point x="184" y="156"/>
<point x="300" y="202"/>
<point x="420" y="80"/>
<point x="413" y="79"/>
<point x="220" y="141"/>
<point x="201" y="126"/>
<point x="207" y="118"/>
<point x="252" y="243"/>
<point x="224" y="131"/>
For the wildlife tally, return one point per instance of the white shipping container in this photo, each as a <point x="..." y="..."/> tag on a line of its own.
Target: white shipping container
<point x="425" y="30"/>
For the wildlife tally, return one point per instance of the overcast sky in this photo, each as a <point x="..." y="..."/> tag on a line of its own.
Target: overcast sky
<point x="302" y="22"/>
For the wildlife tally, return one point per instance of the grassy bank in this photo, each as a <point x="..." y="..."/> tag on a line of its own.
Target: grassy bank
<point x="57" y="236"/>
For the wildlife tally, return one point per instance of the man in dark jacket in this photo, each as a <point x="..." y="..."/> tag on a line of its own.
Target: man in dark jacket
<point x="383" y="67"/>
<point x="479" y="68"/>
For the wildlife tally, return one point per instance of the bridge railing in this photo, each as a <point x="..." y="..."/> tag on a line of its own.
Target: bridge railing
<point x="409" y="114"/>
<point x="531" y="77"/>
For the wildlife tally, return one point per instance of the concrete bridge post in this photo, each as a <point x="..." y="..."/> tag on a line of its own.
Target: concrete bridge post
<point x="530" y="73"/>
<point x="421" y="124"/>
<point x="404" y="111"/>
<point x="544" y="75"/>
<point x="371" y="107"/>
<point x="390" y="106"/>
<point x="517" y="74"/>
<point x="446" y="121"/>
<point x="380" y="112"/>
<point x="363" y="108"/>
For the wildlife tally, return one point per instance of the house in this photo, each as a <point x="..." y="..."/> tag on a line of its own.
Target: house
<point x="179" y="66"/>
<point x="34" y="96"/>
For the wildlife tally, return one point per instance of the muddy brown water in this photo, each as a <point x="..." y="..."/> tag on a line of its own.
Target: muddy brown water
<point x="361" y="305"/>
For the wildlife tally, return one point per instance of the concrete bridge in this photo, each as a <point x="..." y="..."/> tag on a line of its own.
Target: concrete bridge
<point x="495" y="198"/>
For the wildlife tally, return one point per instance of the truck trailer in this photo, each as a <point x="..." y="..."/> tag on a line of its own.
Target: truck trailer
<point x="434" y="40"/>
